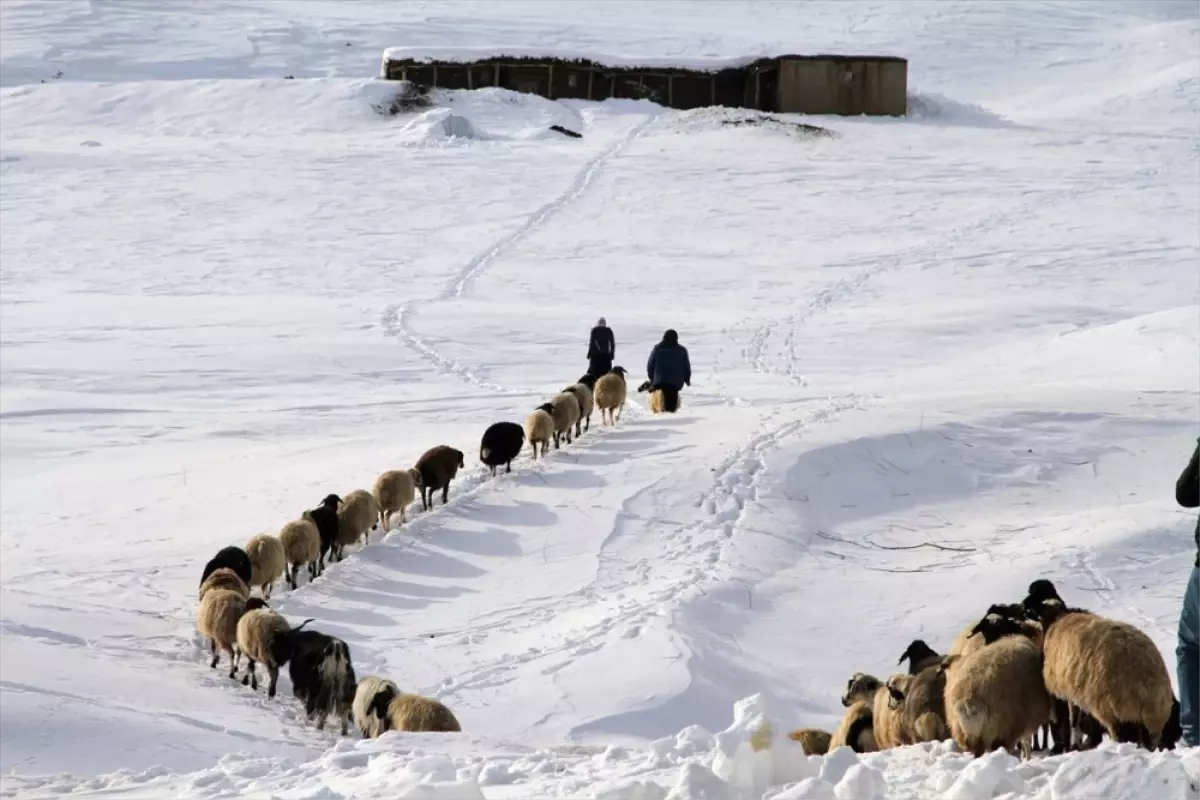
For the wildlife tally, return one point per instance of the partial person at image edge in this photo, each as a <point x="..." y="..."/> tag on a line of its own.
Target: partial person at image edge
<point x="1187" y="651"/>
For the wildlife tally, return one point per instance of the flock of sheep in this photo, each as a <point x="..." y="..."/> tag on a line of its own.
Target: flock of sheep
<point x="1037" y="666"/>
<point x="319" y="665"/>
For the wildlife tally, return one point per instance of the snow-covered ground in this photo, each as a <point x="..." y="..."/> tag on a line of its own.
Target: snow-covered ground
<point x="935" y="358"/>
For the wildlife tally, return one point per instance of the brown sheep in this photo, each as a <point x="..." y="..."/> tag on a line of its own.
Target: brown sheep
<point x="256" y="632"/>
<point x="565" y="413"/>
<point x="814" y="742"/>
<point x="394" y="491"/>
<point x="357" y="514"/>
<point x="995" y="697"/>
<point x="1109" y="669"/>
<point x="224" y="578"/>
<point x="856" y="730"/>
<point x="583" y="393"/>
<point x="438" y="466"/>
<point x="539" y="428"/>
<point x="413" y="713"/>
<point x="922" y="705"/>
<point x="863" y="688"/>
<point x="268" y="560"/>
<point x="217" y="620"/>
<point x="610" y="395"/>
<point x="302" y="547"/>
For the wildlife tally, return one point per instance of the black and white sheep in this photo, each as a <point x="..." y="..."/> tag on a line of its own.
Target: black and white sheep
<point x="371" y="699"/>
<point x="501" y="443"/>
<point x="321" y="672"/>
<point x="438" y="466"/>
<point x="325" y="517"/>
<point x="233" y="557"/>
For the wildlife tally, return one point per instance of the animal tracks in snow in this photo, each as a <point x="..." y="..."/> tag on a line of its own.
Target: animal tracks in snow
<point x="397" y="319"/>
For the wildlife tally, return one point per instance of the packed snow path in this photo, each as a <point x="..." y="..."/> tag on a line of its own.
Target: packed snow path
<point x="935" y="358"/>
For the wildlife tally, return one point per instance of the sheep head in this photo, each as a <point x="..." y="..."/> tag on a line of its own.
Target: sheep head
<point x="547" y="407"/>
<point x="331" y="501"/>
<point x="415" y="474"/>
<point x="256" y="602"/>
<point x="994" y="626"/>
<point x="1042" y="589"/>
<point x="916" y="653"/>
<point x="1007" y="610"/>
<point x="861" y="686"/>
<point x="460" y="459"/>
<point x="619" y="371"/>
<point x="588" y="381"/>
<point x="897" y="687"/>
<point x="645" y="387"/>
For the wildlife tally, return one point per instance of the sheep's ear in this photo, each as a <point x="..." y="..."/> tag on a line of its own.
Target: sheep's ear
<point x="979" y="626"/>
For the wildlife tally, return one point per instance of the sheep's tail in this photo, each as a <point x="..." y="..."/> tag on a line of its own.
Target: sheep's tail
<point x="302" y="624"/>
<point x="972" y="718"/>
<point x="484" y="453"/>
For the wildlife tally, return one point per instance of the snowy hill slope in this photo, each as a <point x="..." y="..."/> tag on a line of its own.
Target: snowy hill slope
<point x="935" y="358"/>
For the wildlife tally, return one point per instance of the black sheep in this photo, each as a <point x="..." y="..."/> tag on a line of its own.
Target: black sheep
<point x="325" y="518"/>
<point x="438" y="466"/>
<point x="234" y="558"/>
<point x="322" y="675"/>
<point x="502" y="442"/>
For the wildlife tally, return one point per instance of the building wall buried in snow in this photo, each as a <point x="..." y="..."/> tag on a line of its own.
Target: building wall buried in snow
<point x="848" y="85"/>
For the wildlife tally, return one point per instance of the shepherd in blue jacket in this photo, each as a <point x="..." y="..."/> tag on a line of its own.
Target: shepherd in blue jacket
<point x="669" y="369"/>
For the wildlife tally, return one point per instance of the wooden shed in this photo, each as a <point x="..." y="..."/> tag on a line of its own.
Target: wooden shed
<point x="823" y="84"/>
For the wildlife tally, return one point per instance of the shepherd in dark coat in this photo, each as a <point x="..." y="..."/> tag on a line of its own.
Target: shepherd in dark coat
<point x="602" y="348"/>
<point x="669" y="369"/>
<point x="1187" y="650"/>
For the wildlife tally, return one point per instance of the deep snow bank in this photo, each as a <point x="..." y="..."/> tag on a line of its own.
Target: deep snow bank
<point x="752" y="758"/>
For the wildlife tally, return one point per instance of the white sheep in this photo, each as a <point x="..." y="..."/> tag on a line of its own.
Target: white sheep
<point x="268" y="560"/>
<point x="587" y="402"/>
<point x="395" y="491"/>
<point x="609" y="395"/>
<point x="301" y="546"/>
<point x="539" y="428"/>
<point x="565" y="414"/>
<point x="357" y="515"/>
<point x="413" y="713"/>
<point x="217" y="620"/>
<point x="256" y="632"/>
<point x="224" y="578"/>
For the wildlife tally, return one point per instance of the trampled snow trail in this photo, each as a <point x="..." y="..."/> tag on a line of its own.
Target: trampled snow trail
<point x="934" y="358"/>
<point x="397" y="319"/>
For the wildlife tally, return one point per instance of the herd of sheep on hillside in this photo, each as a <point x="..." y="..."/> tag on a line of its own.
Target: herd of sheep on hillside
<point x="1038" y="666"/>
<point x="319" y="665"/>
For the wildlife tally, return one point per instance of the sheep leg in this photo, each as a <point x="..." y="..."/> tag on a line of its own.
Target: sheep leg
<point x="578" y="427"/>
<point x="215" y="655"/>
<point x="273" y="671"/>
<point x="251" y="677"/>
<point x="235" y="656"/>
<point x="508" y="467"/>
<point x="290" y="574"/>
<point x="446" y="494"/>
<point x="266" y="591"/>
<point x="556" y="440"/>
<point x="588" y="426"/>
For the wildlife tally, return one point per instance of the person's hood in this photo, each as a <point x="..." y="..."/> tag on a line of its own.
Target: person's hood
<point x="670" y="337"/>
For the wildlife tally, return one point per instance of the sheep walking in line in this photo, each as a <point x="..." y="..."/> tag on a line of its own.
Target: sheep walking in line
<point x="394" y="491"/>
<point x="583" y="394"/>
<point x="268" y="560"/>
<point x="371" y="699"/>
<point x="356" y="516"/>
<point x="217" y="620"/>
<point x="257" y="632"/>
<point x="321" y="673"/>
<point x="325" y="517"/>
<point x="224" y="578"/>
<point x="539" y="428"/>
<point x="234" y="558"/>
<point x="301" y="547"/>
<point x="566" y="416"/>
<point x="610" y="395"/>
<point x="438" y="466"/>
<point x="501" y="443"/>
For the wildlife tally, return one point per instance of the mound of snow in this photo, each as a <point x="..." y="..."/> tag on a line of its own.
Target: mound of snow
<point x="753" y="758"/>
<point x="934" y="107"/>
<point x="440" y="124"/>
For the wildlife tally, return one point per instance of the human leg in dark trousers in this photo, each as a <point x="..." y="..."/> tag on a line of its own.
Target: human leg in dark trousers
<point x="670" y="397"/>
<point x="1187" y="654"/>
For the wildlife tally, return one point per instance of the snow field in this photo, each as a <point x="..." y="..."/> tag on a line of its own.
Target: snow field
<point x="971" y="334"/>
